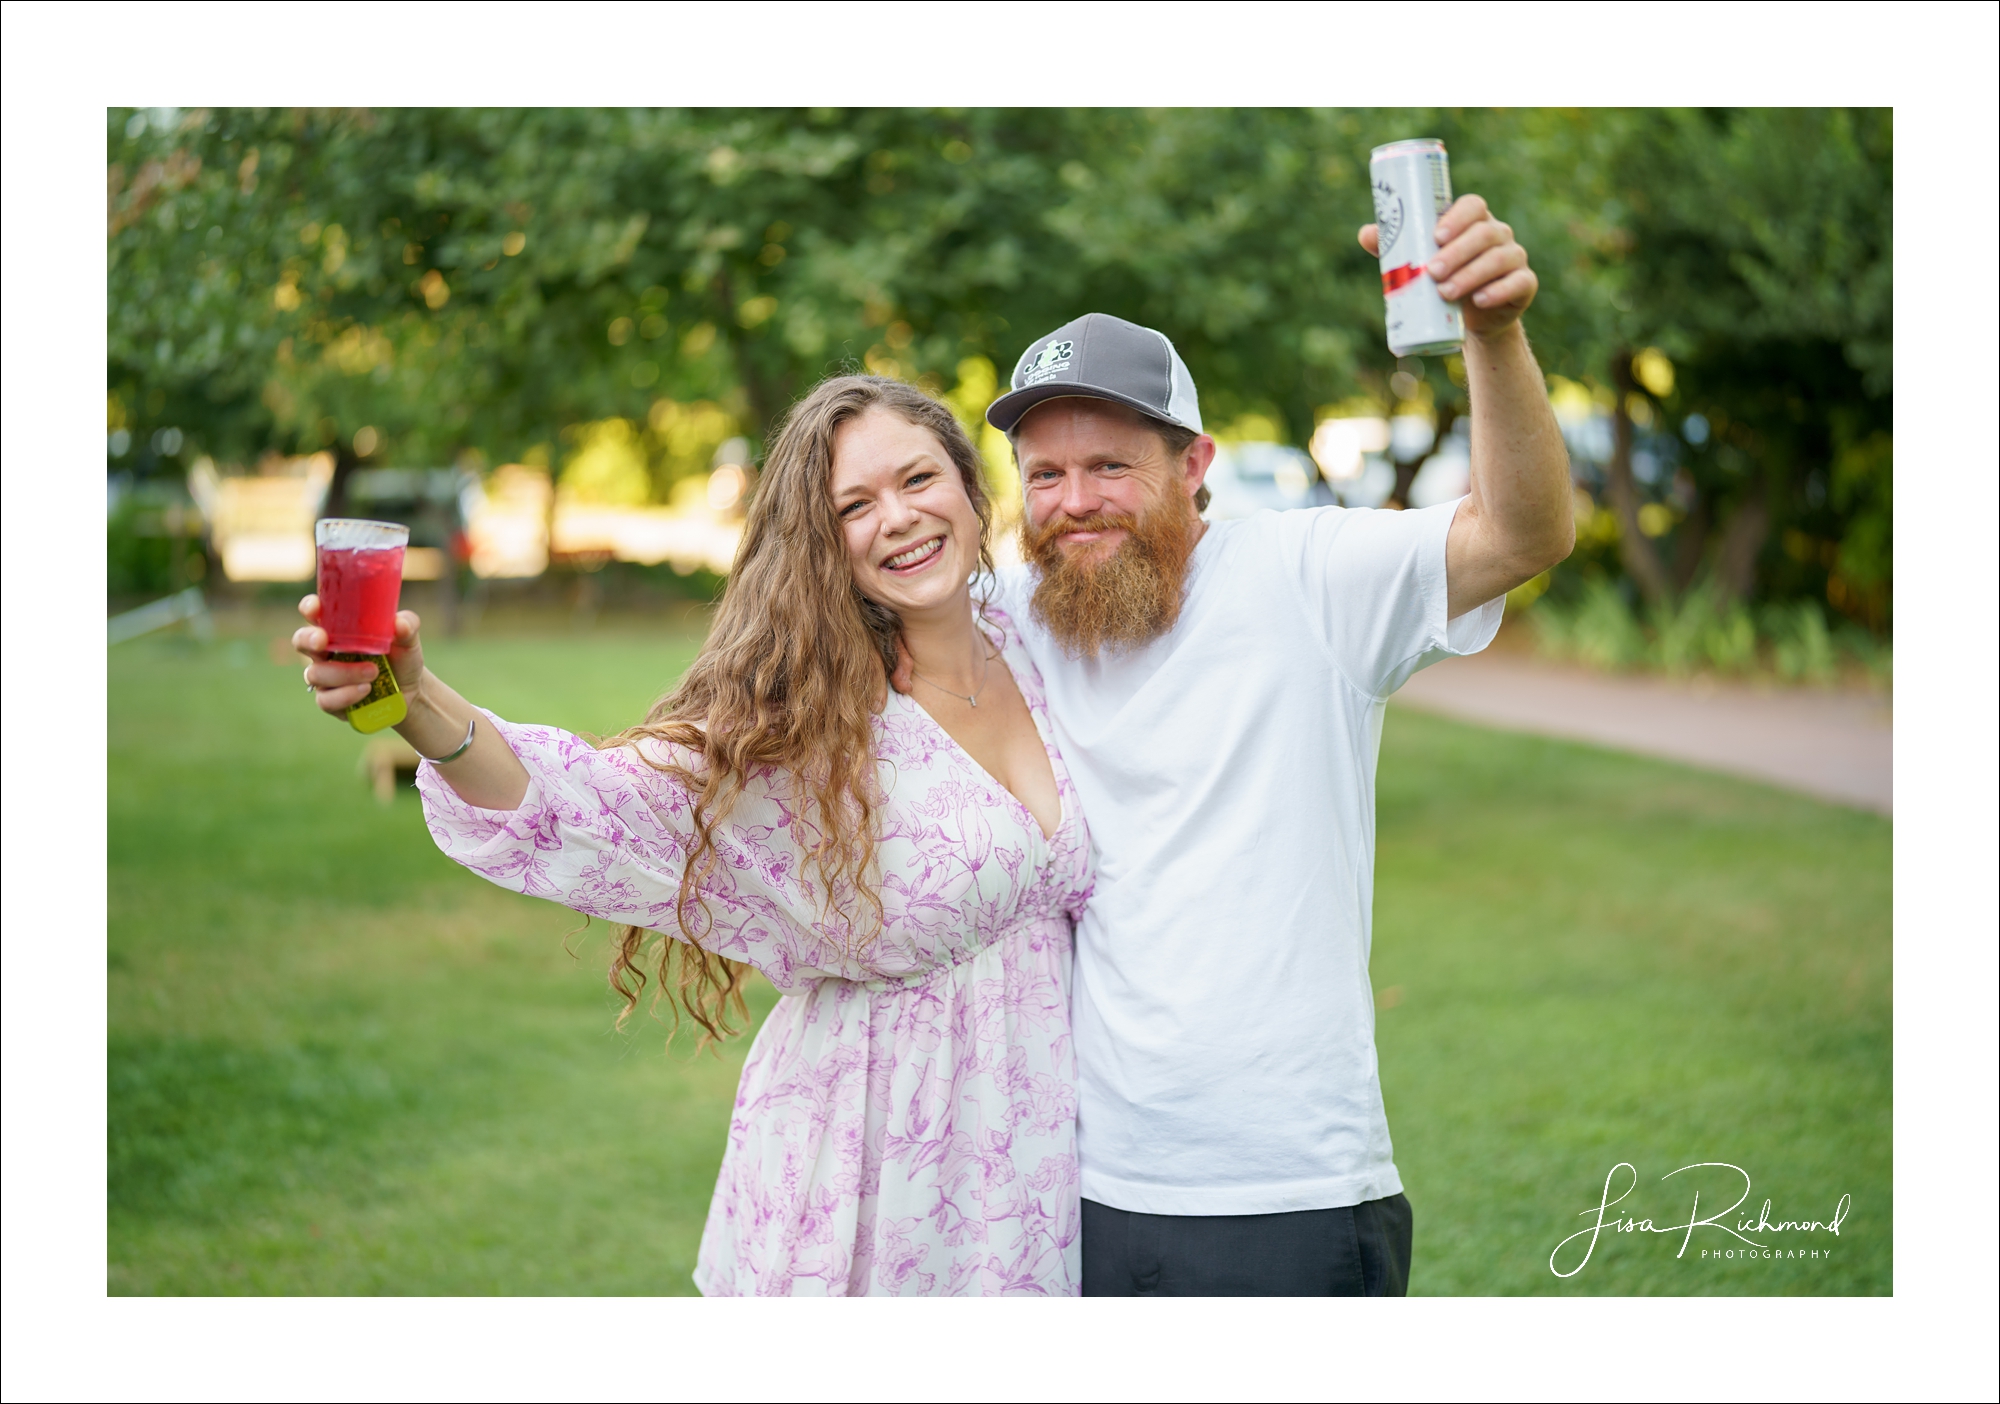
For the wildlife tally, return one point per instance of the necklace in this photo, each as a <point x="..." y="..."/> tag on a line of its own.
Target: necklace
<point x="986" y="659"/>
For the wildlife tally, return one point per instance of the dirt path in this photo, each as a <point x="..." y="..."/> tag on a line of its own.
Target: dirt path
<point x="1833" y="745"/>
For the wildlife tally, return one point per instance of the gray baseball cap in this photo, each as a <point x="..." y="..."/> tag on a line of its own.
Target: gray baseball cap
<point x="1101" y="357"/>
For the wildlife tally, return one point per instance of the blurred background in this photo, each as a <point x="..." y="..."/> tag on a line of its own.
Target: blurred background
<point x="553" y="343"/>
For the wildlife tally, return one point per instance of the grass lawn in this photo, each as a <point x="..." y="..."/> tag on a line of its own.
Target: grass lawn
<point x="341" y="1064"/>
<point x="1589" y="958"/>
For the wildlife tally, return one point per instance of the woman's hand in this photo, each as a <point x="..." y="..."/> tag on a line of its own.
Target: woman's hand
<point x="1478" y="265"/>
<point x="487" y="773"/>
<point x="337" y="686"/>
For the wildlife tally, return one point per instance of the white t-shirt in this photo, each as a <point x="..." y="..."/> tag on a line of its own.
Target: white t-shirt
<point x="1224" y="1020"/>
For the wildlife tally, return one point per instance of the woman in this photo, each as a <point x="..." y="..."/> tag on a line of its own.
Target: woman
<point x="905" y="869"/>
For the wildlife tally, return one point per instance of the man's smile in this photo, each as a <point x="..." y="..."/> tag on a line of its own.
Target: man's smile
<point x="1085" y="538"/>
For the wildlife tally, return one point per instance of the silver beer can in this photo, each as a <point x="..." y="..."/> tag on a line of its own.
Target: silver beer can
<point x="1412" y="182"/>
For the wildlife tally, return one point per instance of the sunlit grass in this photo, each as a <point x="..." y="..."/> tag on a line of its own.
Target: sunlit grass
<point x="340" y="1064"/>
<point x="1597" y="958"/>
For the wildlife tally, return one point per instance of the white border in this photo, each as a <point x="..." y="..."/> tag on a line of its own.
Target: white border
<point x="63" y="64"/>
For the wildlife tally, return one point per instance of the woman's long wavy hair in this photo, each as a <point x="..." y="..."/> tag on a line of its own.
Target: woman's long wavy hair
<point x="794" y="668"/>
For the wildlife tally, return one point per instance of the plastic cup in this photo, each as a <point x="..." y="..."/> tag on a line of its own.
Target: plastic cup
<point x="360" y="584"/>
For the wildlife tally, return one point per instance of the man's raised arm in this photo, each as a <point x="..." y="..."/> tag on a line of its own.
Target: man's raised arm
<point x="1518" y="521"/>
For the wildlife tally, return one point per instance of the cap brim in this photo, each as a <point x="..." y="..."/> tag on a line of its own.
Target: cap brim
<point x="1004" y="413"/>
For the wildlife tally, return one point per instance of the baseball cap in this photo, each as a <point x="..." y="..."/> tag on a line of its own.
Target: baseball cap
<point x="1101" y="357"/>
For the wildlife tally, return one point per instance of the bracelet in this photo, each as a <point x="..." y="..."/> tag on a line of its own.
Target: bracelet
<point x="463" y="746"/>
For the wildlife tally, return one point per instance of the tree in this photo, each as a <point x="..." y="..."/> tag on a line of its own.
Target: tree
<point x="1746" y="263"/>
<point x="482" y="279"/>
<point x="492" y="284"/>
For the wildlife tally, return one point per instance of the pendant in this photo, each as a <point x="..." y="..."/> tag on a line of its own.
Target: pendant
<point x="974" y="699"/>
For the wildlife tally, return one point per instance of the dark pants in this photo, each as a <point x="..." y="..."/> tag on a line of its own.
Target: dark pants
<point x="1359" y="1251"/>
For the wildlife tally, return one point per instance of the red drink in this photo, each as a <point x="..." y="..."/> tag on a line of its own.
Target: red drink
<point x="360" y="582"/>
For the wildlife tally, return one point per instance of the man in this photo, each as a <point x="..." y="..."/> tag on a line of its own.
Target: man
<point x="1219" y="690"/>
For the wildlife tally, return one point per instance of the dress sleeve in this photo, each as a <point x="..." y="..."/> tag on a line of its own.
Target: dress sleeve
<point x="608" y="835"/>
<point x="1374" y="586"/>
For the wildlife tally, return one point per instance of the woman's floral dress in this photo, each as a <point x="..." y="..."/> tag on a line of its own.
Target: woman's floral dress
<point x="906" y="1119"/>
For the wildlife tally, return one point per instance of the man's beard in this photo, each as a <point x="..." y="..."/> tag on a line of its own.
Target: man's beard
<point x="1128" y="598"/>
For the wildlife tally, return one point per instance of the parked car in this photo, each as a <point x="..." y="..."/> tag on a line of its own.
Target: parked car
<point x="1247" y="478"/>
<point x="431" y="502"/>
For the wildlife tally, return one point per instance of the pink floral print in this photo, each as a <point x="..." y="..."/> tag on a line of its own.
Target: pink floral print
<point x="905" y="1123"/>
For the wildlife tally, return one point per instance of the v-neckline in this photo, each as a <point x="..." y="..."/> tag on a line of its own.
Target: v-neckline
<point x="1048" y="749"/>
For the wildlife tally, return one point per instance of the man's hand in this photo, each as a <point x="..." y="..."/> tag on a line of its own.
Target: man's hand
<point x="1515" y="522"/>
<point x="1478" y="265"/>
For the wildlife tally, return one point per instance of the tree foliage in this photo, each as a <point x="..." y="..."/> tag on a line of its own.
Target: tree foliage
<point x="1760" y="263"/>
<point x="493" y="283"/>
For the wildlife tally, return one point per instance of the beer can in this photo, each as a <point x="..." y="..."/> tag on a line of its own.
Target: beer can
<point x="1412" y="183"/>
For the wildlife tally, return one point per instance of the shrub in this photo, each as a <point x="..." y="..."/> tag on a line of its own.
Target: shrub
<point x="1599" y="630"/>
<point x="1801" y="648"/>
<point x="1700" y="632"/>
<point x="148" y="550"/>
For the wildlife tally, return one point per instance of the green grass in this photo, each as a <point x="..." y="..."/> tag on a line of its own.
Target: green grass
<point x="1601" y="959"/>
<point x="341" y="1064"/>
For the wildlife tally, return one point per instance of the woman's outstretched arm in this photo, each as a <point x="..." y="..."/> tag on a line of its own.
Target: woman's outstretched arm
<point x="488" y="774"/>
<point x="538" y="810"/>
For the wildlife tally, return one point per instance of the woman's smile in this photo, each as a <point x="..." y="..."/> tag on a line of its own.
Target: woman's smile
<point x="915" y="558"/>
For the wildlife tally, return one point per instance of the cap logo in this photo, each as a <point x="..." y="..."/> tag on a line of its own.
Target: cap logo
<point x="1054" y="357"/>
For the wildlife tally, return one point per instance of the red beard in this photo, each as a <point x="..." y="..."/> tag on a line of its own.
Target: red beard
<point x="1121" y="601"/>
